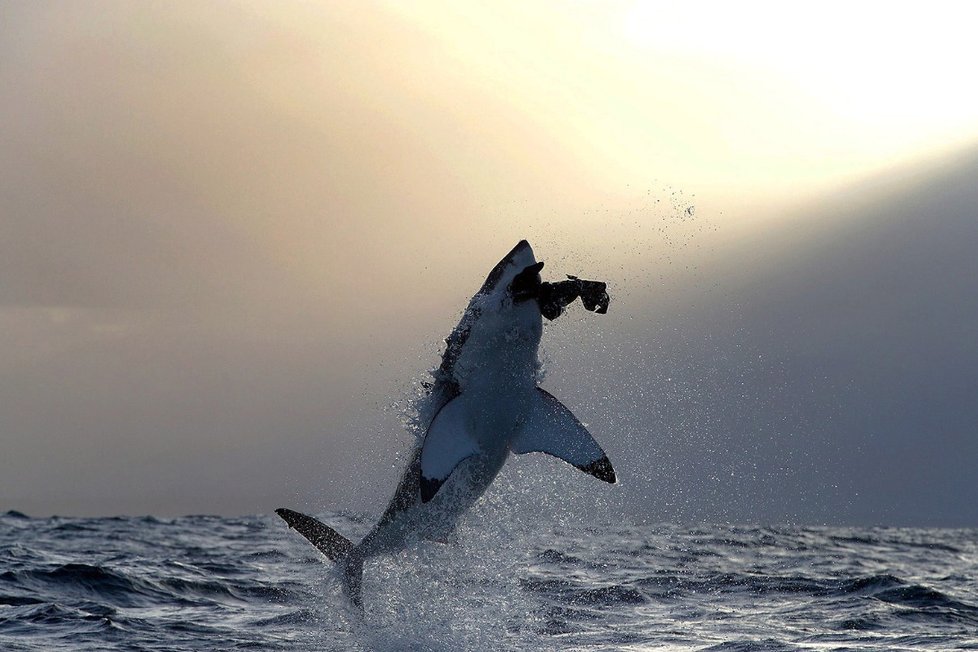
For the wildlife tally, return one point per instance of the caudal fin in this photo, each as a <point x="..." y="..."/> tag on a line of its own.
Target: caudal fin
<point x="353" y="578"/>
<point x="335" y="546"/>
<point x="329" y="542"/>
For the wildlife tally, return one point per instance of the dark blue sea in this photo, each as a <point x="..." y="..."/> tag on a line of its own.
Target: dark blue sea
<point x="248" y="583"/>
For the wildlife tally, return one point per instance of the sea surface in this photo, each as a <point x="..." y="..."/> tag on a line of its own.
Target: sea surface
<point x="214" y="583"/>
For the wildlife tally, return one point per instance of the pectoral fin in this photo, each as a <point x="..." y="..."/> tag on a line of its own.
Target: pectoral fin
<point x="553" y="429"/>
<point x="446" y="443"/>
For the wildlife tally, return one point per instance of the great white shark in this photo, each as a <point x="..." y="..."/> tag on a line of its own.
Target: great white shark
<point x="483" y="404"/>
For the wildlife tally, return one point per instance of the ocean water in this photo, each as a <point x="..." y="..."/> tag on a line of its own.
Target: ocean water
<point x="213" y="583"/>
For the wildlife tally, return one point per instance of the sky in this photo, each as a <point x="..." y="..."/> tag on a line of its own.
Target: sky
<point x="233" y="236"/>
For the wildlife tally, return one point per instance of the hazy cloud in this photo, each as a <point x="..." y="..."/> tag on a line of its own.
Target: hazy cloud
<point x="230" y="237"/>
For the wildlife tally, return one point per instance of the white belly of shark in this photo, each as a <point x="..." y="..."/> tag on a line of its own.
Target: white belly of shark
<point x="483" y="404"/>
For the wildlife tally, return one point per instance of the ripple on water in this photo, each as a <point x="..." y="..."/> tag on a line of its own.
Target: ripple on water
<point x="206" y="583"/>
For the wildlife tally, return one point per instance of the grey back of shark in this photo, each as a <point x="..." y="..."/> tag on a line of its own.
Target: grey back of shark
<point x="482" y="405"/>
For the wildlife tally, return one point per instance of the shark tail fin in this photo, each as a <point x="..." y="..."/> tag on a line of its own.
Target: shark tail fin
<point x="329" y="542"/>
<point x="335" y="546"/>
<point x="353" y="578"/>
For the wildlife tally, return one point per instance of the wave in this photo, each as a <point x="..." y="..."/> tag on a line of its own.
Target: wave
<point x="205" y="583"/>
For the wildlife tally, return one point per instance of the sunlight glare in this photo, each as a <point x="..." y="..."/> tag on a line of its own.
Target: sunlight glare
<point x="892" y="70"/>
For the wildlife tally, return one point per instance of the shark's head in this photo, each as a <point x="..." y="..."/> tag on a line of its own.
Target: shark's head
<point x="503" y="321"/>
<point x="498" y="310"/>
<point x="515" y="278"/>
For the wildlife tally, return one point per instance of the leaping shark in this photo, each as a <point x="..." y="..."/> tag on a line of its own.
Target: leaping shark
<point x="483" y="404"/>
